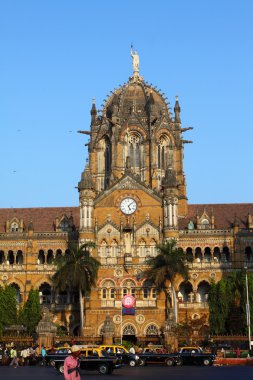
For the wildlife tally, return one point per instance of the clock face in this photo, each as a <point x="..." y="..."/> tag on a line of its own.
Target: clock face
<point x="128" y="206"/>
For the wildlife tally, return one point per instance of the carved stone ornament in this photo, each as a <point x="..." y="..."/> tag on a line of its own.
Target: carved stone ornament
<point x="118" y="272"/>
<point x="212" y="275"/>
<point x="194" y="276"/>
<point x="117" y="319"/>
<point x="5" y="277"/>
<point x="140" y="318"/>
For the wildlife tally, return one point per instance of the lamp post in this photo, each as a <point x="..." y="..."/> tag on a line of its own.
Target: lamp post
<point x="248" y="309"/>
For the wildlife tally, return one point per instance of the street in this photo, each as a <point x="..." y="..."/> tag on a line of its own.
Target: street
<point x="151" y="372"/>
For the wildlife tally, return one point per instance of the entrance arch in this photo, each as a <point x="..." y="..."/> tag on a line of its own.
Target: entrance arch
<point x="129" y="333"/>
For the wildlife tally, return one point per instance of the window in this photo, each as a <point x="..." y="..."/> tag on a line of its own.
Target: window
<point x="64" y="225"/>
<point x="128" y="288"/>
<point x="14" y="227"/>
<point x="108" y="290"/>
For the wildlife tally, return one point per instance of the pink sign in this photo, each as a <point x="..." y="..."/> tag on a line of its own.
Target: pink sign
<point x="128" y="301"/>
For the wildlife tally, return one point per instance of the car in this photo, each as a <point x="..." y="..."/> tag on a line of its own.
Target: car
<point x="88" y="361"/>
<point x="147" y="358"/>
<point x="121" y="352"/>
<point x="195" y="355"/>
<point x="56" y="353"/>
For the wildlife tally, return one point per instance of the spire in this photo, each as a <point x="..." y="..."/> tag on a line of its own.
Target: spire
<point x="177" y="110"/>
<point x="86" y="179"/>
<point x="93" y="112"/>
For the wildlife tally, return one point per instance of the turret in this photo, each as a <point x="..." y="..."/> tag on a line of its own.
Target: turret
<point x="177" y="110"/>
<point x="93" y="112"/>
<point x="170" y="204"/>
<point x="86" y="201"/>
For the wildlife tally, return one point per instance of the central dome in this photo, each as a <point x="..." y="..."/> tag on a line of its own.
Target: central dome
<point x="136" y="97"/>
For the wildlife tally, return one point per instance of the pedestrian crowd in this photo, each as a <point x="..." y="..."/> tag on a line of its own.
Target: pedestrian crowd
<point x="19" y="356"/>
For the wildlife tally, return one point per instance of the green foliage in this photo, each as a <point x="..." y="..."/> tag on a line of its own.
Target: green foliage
<point x="30" y="314"/>
<point x="77" y="270"/>
<point x="169" y="263"/>
<point x="8" y="307"/>
<point x="163" y="269"/>
<point x="227" y="304"/>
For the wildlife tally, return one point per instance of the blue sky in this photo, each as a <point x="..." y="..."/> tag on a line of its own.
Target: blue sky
<point x="57" y="55"/>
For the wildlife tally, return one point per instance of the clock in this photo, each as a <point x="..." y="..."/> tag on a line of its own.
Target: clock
<point x="128" y="206"/>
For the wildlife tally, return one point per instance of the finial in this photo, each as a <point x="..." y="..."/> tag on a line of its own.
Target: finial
<point x="93" y="101"/>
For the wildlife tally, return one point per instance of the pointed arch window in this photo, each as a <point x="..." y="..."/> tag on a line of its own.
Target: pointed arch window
<point x="134" y="150"/>
<point x="164" y="153"/>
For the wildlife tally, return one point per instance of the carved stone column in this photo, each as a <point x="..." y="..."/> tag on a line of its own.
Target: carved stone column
<point x="108" y="331"/>
<point x="46" y="329"/>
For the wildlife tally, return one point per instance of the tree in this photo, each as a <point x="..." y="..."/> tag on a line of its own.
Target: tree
<point x="77" y="270"/>
<point x="164" y="268"/>
<point x="8" y="307"/>
<point x="227" y="304"/>
<point x="30" y="314"/>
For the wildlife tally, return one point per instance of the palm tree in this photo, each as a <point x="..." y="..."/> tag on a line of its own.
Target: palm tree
<point x="77" y="270"/>
<point x="164" y="268"/>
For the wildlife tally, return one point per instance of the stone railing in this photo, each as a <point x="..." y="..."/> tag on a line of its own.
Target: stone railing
<point x="193" y="305"/>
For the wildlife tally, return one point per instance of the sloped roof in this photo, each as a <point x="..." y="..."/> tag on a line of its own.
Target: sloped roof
<point x="224" y="214"/>
<point x="43" y="218"/>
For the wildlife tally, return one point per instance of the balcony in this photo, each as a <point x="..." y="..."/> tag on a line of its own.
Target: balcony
<point x="193" y="305"/>
<point x="11" y="267"/>
<point x="108" y="303"/>
<point x="146" y="303"/>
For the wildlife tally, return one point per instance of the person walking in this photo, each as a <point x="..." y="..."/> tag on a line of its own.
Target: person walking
<point x="14" y="357"/>
<point x="71" y="365"/>
<point x="43" y="355"/>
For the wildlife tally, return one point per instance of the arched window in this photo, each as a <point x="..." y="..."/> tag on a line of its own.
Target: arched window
<point x="149" y="291"/>
<point x="114" y="248"/>
<point x="142" y="248"/>
<point x="153" y="249"/>
<point x="216" y="254"/>
<point x="128" y="287"/>
<point x="189" y="254"/>
<point x="17" y="288"/>
<point x="129" y="330"/>
<point x="19" y="258"/>
<point x="45" y="293"/>
<point x="185" y="292"/>
<point x="41" y="257"/>
<point x="50" y="256"/>
<point x="152" y="330"/>
<point x="198" y="254"/>
<point x="134" y="150"/>
<point x="205" y="224"/>
<point x="164" y="153"/>
<point x="202" y="292"/>
<point x="64" y="225"/>
<point x="58" y="254"/>
<point x="2" y="258"/>
<point x="14" y="227"/>
<point x="207" y="254"/>
<point x="248" y="254"/>
<point x="10" y="258"/>
<point x="225" y="254"/>
<point x="108" y="290"/>
<point x="103" y="249"/>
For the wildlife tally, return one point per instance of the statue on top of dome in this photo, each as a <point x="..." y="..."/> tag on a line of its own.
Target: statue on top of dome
<point x="136" y="60"/>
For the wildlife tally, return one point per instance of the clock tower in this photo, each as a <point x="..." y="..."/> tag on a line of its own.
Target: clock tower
<point x="132" y="193"/>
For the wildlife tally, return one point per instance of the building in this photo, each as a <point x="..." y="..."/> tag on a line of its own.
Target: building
<point x="132" y="196"/>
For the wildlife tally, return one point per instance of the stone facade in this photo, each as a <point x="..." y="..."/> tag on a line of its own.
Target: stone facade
<point x="132" y="197"/>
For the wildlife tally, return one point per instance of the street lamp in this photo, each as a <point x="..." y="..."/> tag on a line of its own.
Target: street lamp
<point x="248" y="309"/>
